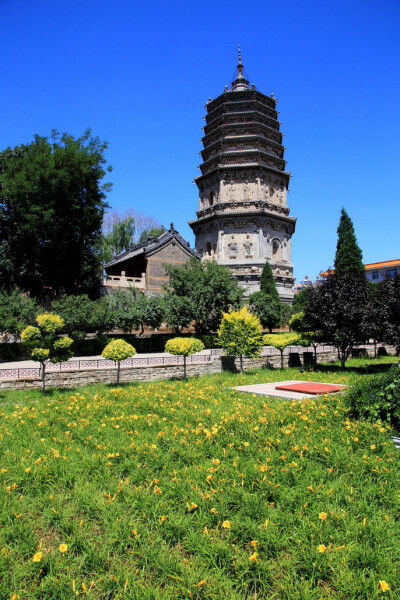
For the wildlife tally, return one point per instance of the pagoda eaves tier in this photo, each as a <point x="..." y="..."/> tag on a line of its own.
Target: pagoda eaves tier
<point x="243" y="219"/>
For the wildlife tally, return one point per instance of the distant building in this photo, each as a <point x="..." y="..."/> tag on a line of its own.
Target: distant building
<point x="142" y="266"/>
<point x="380" y="270"/>
<point x="306" y="282"/>
<point x="373" y="272"/>
<point x="243" y="218"/>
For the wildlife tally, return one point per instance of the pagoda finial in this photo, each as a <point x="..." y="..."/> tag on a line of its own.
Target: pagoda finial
<point x="240" y="82"/>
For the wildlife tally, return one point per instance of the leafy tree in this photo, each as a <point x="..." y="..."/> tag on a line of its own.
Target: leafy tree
<point x="118" y="350"/>
<point x="184" y="347"/>
<point x="267" y="282"/>
<point x="17" y="310"/>
<point x="82" y="315"/>
<point x="209" y="289"/>
<point x="118" y="238"/>
<point x="348" y="258"/>
<point x="386" y="311"/>
<point x="240" y="333"/>
<point x="142" y="226"/>
<point x="281" y="341"/>
<point x="151" y="232"/>
<point x="267" y="309"/>
<point x="49" y="345"/>
<point x="300" y="300"/>
<point x="179" y="311"/>
<point x="51" y="209"/>
<point x="338" y="309"/>
<point x="298" y="323"/>
<point x="132" y="310"/>
<point x="286" y="313"/>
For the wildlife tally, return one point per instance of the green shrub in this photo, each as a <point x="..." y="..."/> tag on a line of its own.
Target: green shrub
<point x="376" y="398"/>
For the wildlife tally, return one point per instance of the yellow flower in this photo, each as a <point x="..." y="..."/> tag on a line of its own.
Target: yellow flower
<point x="321" y="548"/>
<point x="373" y="448"/>
<point x="323" y="516"/>
<point x="385" y="587"/>
<point x="214" y="511"/>
<point x="63" y="548"/>
<point x="215" y="461"/>
<point x="162" y="518"/>
<point x="253" y="557"/>
<point x="37" y="557"/>
<point x="157" y="490"/>
<point x="201" y="583"/>
<point x="254" y="543"/>
<point x="226" y="524"/>
<point x="310" y="487"/>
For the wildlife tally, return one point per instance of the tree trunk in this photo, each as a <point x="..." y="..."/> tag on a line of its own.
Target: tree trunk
<point x="241" y="363"/>
<point x="342" y="361"/>
<point x="118" y="367"/>
<point x="315" y="356"/>
<point x="281" y="359"/>
<point x="43" y="378"/>
<point x="184" y="367"/>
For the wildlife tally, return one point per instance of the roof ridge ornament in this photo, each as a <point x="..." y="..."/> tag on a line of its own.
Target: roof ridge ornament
<point x="240" y="83"/>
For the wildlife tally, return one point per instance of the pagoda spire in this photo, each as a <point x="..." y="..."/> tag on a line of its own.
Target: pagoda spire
<point x="240" y="83"/>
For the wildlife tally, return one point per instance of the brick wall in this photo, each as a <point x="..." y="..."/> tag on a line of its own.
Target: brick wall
<point x="75" y="378"/>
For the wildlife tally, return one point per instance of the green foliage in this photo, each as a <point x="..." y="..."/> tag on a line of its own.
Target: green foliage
<point x="376" y="398"/>
<point x="184" y="346"/>
<point x="348" y="258"/>
<point x="300" y="300"/>
<point x="151" y="232"/>
<point x="40" y="354"/>
<point x="48" y="346"/>
<point x="31" y="333"/>
<point x="51" y="210"/>
<point x="240" y="333"/>
<point x="118" y="238"/>
<point x="267" y="282"/>
<point x="131" y="310"/>
<point x="267" y="308"/>
<point x="82" y="315"/>
<point x="50" y="323"/>
<point x="17" y="310"/>
<point x="282" y="341"/>
<point x="338" y="309"/>
<point x="384" y="311"/>
<point x="286" y="313"/>
<point x="204" y="290"/>
<point x="118" y="350"/>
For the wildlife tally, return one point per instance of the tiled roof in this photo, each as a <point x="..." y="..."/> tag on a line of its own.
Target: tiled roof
<point x="385" y="263"/>
<point x="150" y="245"/>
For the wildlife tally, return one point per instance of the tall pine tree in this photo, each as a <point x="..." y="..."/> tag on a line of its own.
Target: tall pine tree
<point x="267" y="282"/>
<point x="348" y="257"/>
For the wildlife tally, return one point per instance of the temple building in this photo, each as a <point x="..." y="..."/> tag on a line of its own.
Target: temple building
<point x="243" y="219"/>
<point x="143" y="266"/>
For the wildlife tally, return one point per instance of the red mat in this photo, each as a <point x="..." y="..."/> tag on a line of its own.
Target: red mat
<point x="310" y="388"/>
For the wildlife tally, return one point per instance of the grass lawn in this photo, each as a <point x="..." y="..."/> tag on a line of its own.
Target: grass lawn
<point x="191" y="490"/>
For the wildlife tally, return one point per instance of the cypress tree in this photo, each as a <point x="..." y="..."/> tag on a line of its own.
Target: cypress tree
<point x="348" y="258"/>
<point x="267" y="282"/>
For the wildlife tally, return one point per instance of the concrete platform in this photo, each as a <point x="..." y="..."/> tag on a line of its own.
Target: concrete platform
<point x="271" y="389"/>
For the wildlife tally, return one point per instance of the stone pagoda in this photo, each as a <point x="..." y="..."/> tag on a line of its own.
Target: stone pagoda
<point x="243" y="219"/>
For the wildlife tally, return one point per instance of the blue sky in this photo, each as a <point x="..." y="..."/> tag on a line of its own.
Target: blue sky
<point x="140" y="73"/>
